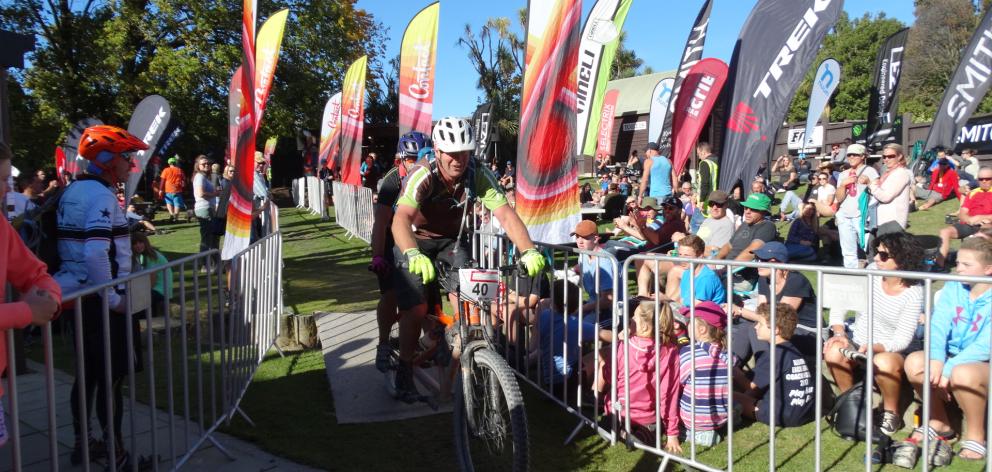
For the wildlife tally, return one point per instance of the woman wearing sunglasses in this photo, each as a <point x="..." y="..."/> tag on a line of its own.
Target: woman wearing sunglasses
<point x="892" y="190"/>
<point x="898" y="308"/>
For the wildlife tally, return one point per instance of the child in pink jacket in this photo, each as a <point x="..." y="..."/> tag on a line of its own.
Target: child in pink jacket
<point x="647" y="361"/>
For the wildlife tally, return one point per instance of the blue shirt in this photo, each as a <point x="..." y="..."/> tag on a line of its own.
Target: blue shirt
<point x="552" y="327"/>
<point x="590" y="268"/>
<point x="661" y="177"/>
<point x="959" y="327"/>
<point x="708" y="288"/>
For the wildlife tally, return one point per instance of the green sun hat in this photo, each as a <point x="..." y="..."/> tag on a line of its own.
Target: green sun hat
<point x="758" y="202"/>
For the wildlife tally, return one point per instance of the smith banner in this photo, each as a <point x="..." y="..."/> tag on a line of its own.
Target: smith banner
<point x="330" y="133"/>
<point x="353" y="121"/>
<point x="660" y="100"/>
<point x="776" y="47"/>
<point x="883" y="102"/>
<point x="266" y="56"/>
<point x="598" y="46"/>
<point x="700" y="91"/>
<point x="824" y="83"/>
<point x="968" y="87"/>
<point x="547" y="178"/>
<point x="418" y="53"/>
<point x="693" y="53"/>
<point x="148" y="122"/>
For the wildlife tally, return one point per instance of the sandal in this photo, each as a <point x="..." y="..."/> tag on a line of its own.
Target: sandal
<point x="972" y="446"/>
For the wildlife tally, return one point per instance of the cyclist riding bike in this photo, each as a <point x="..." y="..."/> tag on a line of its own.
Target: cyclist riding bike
<point x="427" y="225"/>
<point x="409" y="147"/>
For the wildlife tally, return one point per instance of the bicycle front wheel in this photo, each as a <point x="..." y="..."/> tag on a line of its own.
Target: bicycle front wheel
<point x="489" y="417"/>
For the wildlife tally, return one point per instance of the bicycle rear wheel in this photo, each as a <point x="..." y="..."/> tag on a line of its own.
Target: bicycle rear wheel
<point x="495" y="437"/>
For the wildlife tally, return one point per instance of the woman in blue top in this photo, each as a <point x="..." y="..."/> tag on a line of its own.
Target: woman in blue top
<point x="959" y="356"/>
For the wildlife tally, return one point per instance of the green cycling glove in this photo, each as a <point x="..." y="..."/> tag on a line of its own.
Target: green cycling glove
<point x="420" y="265"/>
<point x="533" y="261"/>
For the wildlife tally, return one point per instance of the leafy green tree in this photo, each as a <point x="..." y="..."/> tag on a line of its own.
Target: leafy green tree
<point x="497" y="54"/>
<point x="625" y="62"/>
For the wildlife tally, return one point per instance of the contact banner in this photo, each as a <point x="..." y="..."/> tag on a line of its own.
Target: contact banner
<point x="418" y="54"/>
<point x="547" y="178"/>
<point x="700" y="92"/>
<point x="597" y="48"/>
<point x="149" y="122"/>
<point x="352" y="121"/>
<point x="266" y="57"/>
<point x="330" y="133"/>
<point x="692" y="54"/>
<point x="824" y="83"/>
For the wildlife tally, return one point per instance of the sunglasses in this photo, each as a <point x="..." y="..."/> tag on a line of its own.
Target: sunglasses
<point x="883" y="255"/>
<point x="821" y="178"/>
<point x="889" y="156"/>
<point x="717" y="205"/>
<point x="985" y="179"/>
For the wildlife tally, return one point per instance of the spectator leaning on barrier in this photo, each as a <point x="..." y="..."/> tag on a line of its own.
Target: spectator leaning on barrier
<point x="147" y="257"/>
<point x="959" y="356"/>
<point x="95" y="248"/>
<point x="898" y="307"/>
<point x="853" y="201"/>
<point x="975" y="215"/>
<point x="594" y="269"/>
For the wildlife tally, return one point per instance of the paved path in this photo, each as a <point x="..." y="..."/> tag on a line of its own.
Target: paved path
<point x="35" y="454"/>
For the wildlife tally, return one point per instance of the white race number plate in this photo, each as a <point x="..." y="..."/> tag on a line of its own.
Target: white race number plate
<point x="478" y="284"/>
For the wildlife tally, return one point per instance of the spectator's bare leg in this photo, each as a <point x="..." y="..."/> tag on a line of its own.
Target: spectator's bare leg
<point x="888" y="376"/>
<point x="840" y="369"/>
<point x="386" y="315"/>
<point x="946" y="235"/>
<point x="410" y="321"/>
<point x="938" y="413"/>
<point x="970" y="385"/>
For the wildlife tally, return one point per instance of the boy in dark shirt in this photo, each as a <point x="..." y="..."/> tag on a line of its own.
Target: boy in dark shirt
<point x="794" y="387"/>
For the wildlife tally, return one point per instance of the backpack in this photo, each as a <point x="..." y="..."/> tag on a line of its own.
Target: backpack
<point x="848" y="416"/>
<point x="39" y="231"/>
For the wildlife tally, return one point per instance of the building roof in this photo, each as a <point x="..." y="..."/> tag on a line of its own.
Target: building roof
<point x="635" y="92"/>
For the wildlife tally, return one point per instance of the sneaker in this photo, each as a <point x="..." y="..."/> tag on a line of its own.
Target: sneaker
<point x="940" y="453"/>
<point x="383" y="352"/>
<point x="97" y="451"/>
<point x="406" y="388"/>
<point x="891" y="423"/>
<point x="905" y="454"/>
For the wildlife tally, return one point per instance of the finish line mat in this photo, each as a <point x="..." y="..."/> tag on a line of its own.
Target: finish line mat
<point x="348" y="342"/>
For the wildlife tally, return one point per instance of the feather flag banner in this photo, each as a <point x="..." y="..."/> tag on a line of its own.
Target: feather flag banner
<point x="418" y="55"/>
<point x="353" y="121"/>
<point x="266" y="56"/>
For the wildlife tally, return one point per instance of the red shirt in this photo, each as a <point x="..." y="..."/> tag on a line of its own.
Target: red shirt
<point x="945" y="184"/>
<point x="979" y="202"/>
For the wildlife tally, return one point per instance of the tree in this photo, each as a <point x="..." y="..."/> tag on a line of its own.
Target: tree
<point x="497" y="54"/>
<point x="625" y="62"/>
<point x="854" y="44"/>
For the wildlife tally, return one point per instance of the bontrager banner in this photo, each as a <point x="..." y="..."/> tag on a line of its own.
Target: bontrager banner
<point x="598" y="46"/>
<point x="700" y="91"/>
<point x="883" y="104"/>
<point x="693" y="53"/>
<point x="352" y="121"/>
<point x="776" y="47"/>
<point x="547" y="178"/>
<point x="482" y="123"/>
<point x="266" y="56"/>
<point x="418" y="54"/>
<point x="240" y="205"/>
<point x="660" y="100"/>
<point x="74" y="163"/>
<point x="149" y="122"/>
<point x="330" y="133"/>
<point x="605" y="139"/>
<point x="824" y="83"/>
<point x="968" y="87"/>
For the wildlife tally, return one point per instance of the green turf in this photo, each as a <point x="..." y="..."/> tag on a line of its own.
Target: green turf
<point x="290" y="398"/>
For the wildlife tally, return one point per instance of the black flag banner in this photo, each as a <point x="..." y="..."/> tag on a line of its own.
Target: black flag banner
<point x="482" y="121"/>
<point x="149" y="122"/>
<point x="693" y="54"/>
<point x="776" y="47"/>
<point x="968" y="87"/>
<point x="882" y="106"/>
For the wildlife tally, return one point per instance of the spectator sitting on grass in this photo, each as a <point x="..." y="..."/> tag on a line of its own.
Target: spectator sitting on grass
<point x="145" y="257"/>
<point x="706" y="284"/>
<point x="959" y="356"/>
<point x="794" y="388"/>
<point x="943" y="182"/>
<point x="703" y="373"/>
<point x="597" y="274"/>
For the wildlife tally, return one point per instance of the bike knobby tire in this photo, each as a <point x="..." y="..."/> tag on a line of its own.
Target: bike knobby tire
<point x="490" y="423"/>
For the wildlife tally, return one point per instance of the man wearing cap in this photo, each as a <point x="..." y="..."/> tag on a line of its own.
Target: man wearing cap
<point x="653" y="225"/>
<point x="173" y="181"/>
<point x="594" y="268"/>
<point x="755" y="230"/>
<point x="851" y="226"/>
<point x="658" y="176"/>
<point x="718" y="227"/>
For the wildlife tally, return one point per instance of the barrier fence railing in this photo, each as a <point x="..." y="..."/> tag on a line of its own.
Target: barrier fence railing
<point x="353" y="210"/>
<point x="185" y="343"/>
<point x="299" y="192"/>
<point x="842" y="292"/>
<point x="315" y="196"/>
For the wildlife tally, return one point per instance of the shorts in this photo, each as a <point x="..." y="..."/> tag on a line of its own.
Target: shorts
<point x="410" y="289"/>
<point x="525" y="286"/>
<point x="175" y="199"/>
<point x="965" y="230"/>
<point x="386" y="281"/>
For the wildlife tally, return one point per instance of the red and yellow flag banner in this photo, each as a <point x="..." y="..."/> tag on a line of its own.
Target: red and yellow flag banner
<point x="353" y="121"/>
<point x="418" y="54"/>
<point x="330" y="133"/>
<point x="547" y="178"/>
<point x="266" y="56"/>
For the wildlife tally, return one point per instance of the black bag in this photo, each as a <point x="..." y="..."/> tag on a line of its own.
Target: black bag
<point x="39" y="231"/>
<point x="848" y="416"/>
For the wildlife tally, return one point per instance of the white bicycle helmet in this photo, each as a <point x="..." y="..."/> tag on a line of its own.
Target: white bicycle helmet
<point x="453" y="134"/>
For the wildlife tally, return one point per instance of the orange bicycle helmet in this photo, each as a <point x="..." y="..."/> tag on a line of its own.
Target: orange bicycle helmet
<point x="100" y="138"/>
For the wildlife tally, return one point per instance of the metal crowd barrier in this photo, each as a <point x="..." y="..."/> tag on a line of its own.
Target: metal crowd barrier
<point x="838" y="288"/>
<point x="299" y="189"/>
<point x="315" y="196"/>
<point x="202" y="342"/>
<point x="353" y="210"/>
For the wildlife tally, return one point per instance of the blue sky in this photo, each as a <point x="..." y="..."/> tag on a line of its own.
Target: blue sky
<point x="656" y="31"/>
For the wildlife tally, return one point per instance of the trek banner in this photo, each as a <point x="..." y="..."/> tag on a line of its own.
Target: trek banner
<point x="482" y="122"/>
<point x="774" y="51"/>
<point x="692" y="54"/>
<point x="330" y="133"/>
<point x="418" y="54"/>
<point x="266" y="57"/>
<point x="547" y="178"/>
<point x="658" y="113"/>
<point x="240" y="205"/>
<point x="700" y="92"/>
<point x="824" y="84"/>
<point x="605" y="138"/>
<point x="968" y="87"/>
<point x="353" y="121"/>
<point x="597" y="48"/>
<point x="149" y="122"/>
<point x="74" y="163"/>
<point x="883" y="103"/>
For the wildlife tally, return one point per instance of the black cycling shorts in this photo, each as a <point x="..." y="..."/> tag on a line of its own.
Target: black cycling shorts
<point x="410" y="287"/>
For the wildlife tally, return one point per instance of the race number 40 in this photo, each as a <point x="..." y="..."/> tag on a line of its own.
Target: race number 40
<point x="478" y="284"/>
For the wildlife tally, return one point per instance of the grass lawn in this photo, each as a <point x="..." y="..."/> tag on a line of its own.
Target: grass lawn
<point x="290" y="398"/>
